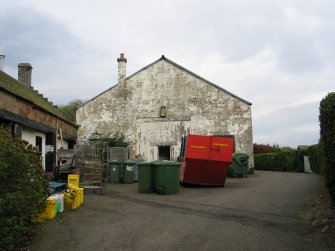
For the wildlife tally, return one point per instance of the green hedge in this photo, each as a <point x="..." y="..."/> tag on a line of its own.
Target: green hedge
<point x="23" y="191"/>
<point x="327" y="134"/>
<point x="316" y="158"/>
<point x="285" y="161"/>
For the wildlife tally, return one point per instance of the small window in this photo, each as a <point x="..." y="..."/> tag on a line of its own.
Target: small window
<point x="38" y="144"/>
<point x="164" y="152"/>
<point x="163" y="111"/>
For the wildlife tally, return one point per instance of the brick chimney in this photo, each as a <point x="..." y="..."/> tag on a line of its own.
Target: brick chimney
<point x="24" y="73"/>
<point x="2" y="59"/>
<point x="122" y="61"/>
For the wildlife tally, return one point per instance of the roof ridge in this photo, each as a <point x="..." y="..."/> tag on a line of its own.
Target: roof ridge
<point x="179" y="66"/>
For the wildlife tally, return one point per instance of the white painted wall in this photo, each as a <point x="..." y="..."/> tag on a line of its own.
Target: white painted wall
<point x="152" y="133"/>
<point x="30" y="136"/>
<point x="193" y="106"/>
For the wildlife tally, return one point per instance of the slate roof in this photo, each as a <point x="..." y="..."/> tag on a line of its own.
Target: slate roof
<point x="14" y="87"/>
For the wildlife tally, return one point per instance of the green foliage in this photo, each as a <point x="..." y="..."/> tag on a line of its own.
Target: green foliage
<point x="261" y="148"/>
<point x="114" y="140"/>
<point x="69" y="110"/>
<point x="313" y="158"/>
<point x="23" y="190"/>
<point x="327" y="133"/>
<point x="283" y="160"/>
<point x="264" y="161"/>
<point x="316" y="158"/>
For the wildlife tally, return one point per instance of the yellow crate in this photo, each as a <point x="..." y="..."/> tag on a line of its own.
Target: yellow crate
<point x="73" y="191"/>
<point x="76" y="202"/>
<point x="68" y="202"/>
<point x="73" y="180"/>
<point x="51" y="210"/>
<point x="38" y="218"/>
<point x="74" y="197"/>
<point x="81" y="192"/>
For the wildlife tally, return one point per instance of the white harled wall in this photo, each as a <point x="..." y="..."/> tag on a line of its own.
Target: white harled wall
<point x="30" y="136"/>
<point x="192" y="106"/>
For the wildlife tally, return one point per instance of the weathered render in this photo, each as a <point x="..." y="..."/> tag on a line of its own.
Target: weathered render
<point x="160" y="103"/>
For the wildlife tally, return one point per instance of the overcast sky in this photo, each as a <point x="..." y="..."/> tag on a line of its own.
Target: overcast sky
<point x="279" y="55"/>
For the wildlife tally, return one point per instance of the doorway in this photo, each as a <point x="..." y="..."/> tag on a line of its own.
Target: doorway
<point x="164" y="152"/>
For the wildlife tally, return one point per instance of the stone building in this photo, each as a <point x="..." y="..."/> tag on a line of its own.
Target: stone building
<point x="160" y="103"/>
<point x="31" y="117"/>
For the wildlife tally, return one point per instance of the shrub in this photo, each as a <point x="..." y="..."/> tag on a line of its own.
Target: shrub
<point x="284" y="160"/>
<point x="23" y="190"/>
<point x="316" y="158"/>
<point x="114" y="140"/>
<point x="327" y="133"/>
<point x="264" y="161"/>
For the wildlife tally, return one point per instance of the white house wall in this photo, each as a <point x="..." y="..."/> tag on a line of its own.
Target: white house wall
<point x="193" y="106"/>
<point x="159" y="132"/>
<point x="30" y="136"/>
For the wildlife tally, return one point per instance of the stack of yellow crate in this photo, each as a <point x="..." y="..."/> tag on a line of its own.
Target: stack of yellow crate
<point x="75" y="196"/>
<point x="49" y="212"/>
<point x="51" y="209"/>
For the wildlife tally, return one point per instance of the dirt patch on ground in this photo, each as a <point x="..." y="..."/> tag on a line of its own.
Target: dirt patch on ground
<point x="321" y="218"/>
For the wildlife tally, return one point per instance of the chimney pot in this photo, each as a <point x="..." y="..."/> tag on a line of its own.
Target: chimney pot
<point x="122" y="61"/>
<point x="121" y="58"/>
<point x="2" y="60"/>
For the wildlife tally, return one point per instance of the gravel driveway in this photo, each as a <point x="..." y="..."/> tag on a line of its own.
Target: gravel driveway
<point x="261" y="212"/>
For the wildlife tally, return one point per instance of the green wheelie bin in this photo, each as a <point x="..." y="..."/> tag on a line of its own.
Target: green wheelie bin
<point x="166" y="175"/>
<point x="145" y="177"/>
<point x="115" y="171"/>
<point x="239" y="166"/>
<point x="128" y="171"/>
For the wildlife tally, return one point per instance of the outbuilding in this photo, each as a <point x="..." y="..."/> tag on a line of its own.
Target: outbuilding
<point x="29" y="115"/>
<point x="160" y="103"/>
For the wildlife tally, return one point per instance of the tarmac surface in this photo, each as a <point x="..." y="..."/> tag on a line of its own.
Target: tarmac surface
<point x="261" y="212"/>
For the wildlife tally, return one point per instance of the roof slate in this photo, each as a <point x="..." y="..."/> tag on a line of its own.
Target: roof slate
<point x="16" y="88"/>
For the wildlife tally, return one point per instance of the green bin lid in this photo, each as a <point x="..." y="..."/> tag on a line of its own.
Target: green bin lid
<point x="165" y="163"/>
<point x="130" y="162"/>
<point x="144" y="163"/>
<point x="114" y="162"/>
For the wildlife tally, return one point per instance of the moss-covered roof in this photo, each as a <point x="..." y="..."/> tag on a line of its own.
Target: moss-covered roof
<point x="16" y="88"/>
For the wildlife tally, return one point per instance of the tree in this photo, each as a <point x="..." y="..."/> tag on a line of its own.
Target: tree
<point x="69" y="110"/>
<point x="261" y="148"/>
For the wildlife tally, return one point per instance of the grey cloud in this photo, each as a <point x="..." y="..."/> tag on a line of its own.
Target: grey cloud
<point x="290" y="125"/>
<point x="196" y="34"/>
<point x="27" y="34"/>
